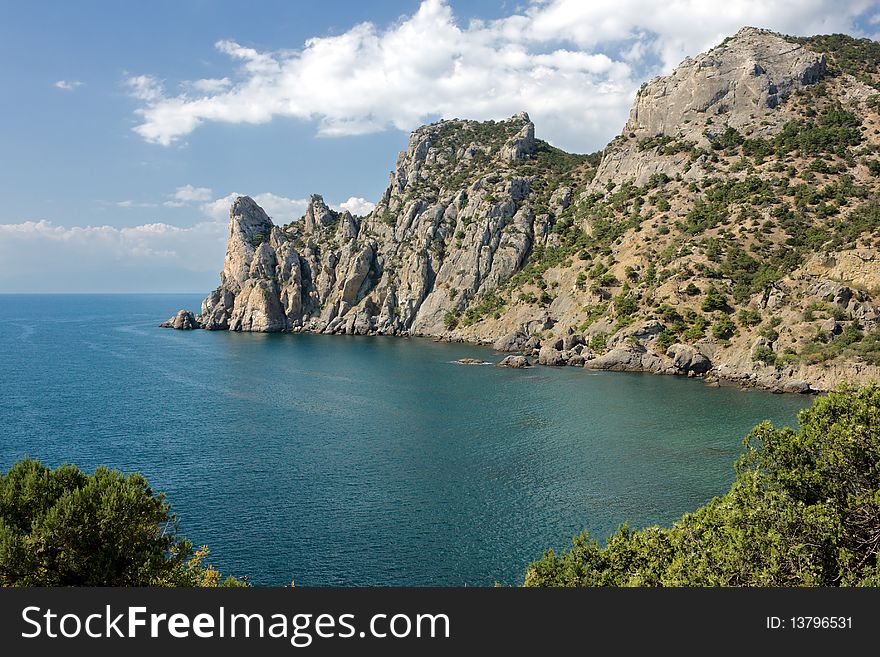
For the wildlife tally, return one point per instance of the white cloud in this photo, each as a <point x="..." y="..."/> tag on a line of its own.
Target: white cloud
<point x="357" y="205"/>
<point x="147" y="88"/>
<point x="210" y="85"/>
<point x="154" y="239"/>
<point x="188" y="194"/>
<point x="68" y="85"/>
<point x="44" y="256"/>
<point x="573" y="65"/>
<point x="131" y="204"/>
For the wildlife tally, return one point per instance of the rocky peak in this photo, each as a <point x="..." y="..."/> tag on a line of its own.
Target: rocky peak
<point x="523" y="145"/>
<point x="249" y="227"/>
<point x="318" y="216"/>
<point x="247" y="219"/>
<point x="348" y="227"/>
<point x="735" y="84"/>
<point x="454" y="144"/>
<point x="741" y="84"/>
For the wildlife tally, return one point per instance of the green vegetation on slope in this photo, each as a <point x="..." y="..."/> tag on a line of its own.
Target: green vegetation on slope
<point x="857" y="57"/>
<point x="804" y="510"/>
<point x="64" y="527"/>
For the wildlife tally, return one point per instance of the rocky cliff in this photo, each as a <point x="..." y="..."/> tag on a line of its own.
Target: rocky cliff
<point x="456" y="222"/>
<point x="730" y="231"/>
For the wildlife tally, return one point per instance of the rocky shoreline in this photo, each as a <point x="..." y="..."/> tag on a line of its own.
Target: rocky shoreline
<point x="572" y="351"/>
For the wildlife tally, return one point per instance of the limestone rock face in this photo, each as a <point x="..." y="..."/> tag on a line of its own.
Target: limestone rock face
<point x="257" y="308"/>
<point x="249" y="228"/>
<point x="318" y="216"/>
<point x="737" y="84"/>
<point x="644" y="332"/>
<point x="454" y="224"/>
<point x="861" y="266"/>
<point x="523" y="145"/>
<point x="242" y="302"/>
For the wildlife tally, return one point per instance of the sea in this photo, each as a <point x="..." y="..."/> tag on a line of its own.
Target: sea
<point x="360" y="461"/>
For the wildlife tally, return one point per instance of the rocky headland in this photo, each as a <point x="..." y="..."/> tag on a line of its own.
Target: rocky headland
<point x="730" y="232"/>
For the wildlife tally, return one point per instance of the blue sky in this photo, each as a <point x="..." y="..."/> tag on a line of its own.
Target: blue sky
<point x="126" y="127"/>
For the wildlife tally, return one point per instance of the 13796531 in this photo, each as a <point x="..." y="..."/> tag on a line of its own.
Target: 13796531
<point x="809" y="623"/>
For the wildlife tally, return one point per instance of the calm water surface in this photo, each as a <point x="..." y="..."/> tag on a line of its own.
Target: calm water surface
<point x="360" y="460"/>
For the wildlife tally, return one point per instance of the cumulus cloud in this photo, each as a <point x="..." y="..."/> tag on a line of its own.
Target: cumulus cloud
<point x="150" y="240"/>
<point x="188" y="194"/>
<point x="357" y="205"/>
<point x="210" y="85"/>
<point x="68" y="85"/>
<point x="573" y="65"/>
<point x="146" y="88"/>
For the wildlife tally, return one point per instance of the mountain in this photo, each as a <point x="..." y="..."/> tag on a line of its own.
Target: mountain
<point x="730" y="232"/>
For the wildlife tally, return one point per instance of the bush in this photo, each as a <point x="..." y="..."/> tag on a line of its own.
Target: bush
<point x="764" y="354"/>
<point x="804" y="510"/>
<point x="749" y="317"/>
<point x="489" y="304"/>
<point x="599" y="342"/>
<point x="625" y="304"/>
<point x="724" y="328"/>
<point x="714" y="300"/>
<point x="665" y="339"/>
<point x="64" y="527"/>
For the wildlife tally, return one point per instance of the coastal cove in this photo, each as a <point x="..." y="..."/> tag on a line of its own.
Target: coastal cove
<point x="360" y="460"/>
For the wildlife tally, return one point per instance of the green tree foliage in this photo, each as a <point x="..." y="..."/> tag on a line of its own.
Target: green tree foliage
<point x="714" y="300"/>
<point x="450" y="319"/>
<point x="64" y="527"/>
<point x="625" y="304"/>
<point x="834" y="132"/>
<point x="749" y="317"/>
<point x="665" y="339"/>
<point x="858" y="57"/>
<point x="489" y="304"/>
<point x="724" y="328"/>
<point x="804" y="510"/>
<point x="764" y="354"/>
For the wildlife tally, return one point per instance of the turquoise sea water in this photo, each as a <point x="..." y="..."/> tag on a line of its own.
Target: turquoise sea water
<point x="360" y="460"/>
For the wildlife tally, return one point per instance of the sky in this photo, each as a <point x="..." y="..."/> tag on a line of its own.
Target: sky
<point x="126" y="129"/>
